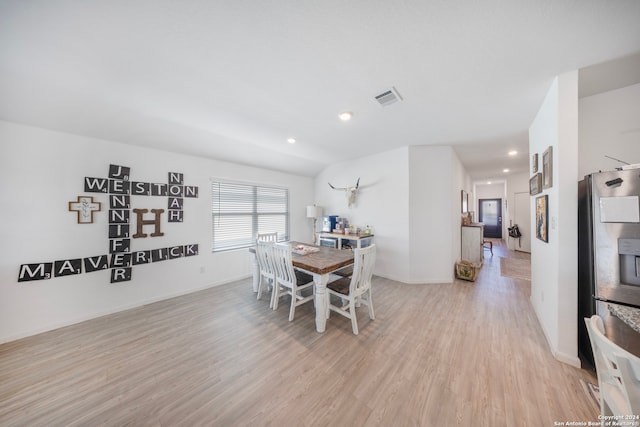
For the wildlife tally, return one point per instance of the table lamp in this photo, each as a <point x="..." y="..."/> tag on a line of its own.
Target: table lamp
<point x="314" y="212"/>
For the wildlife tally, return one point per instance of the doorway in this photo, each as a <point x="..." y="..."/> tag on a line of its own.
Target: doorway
<point x="490" y="213"/>
<point x="522" y="217"/>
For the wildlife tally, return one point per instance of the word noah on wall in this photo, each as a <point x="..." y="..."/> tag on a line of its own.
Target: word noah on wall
<point x="120" y="259"/>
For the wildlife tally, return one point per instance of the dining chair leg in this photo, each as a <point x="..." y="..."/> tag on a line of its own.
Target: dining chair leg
<point x="292" y="310"/>
<point x="276" y="296"/>
<point x="370" y="304"/>
<point x="273" y="293"/>
<point x="260" y="285"/>
<point x="352" y="311"/>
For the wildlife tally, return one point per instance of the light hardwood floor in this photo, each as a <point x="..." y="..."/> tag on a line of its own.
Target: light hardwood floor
<point x="468" y="354"/>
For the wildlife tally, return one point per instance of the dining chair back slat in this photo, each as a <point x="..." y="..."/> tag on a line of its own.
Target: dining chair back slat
<point x="269" y="237"/>
<point x="288" y="281"/>
<point x="264" y="254"/>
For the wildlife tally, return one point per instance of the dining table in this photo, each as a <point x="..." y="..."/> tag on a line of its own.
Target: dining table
<point x="320" y="262"/>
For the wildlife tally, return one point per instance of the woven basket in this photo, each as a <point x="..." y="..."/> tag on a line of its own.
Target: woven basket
<point x="467" y="270"/>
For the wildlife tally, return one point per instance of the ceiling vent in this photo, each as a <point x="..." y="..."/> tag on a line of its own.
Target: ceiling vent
<point x="388" y="97"/>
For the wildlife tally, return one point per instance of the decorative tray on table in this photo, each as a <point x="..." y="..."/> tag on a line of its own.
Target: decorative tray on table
<point x="303" y="249"/>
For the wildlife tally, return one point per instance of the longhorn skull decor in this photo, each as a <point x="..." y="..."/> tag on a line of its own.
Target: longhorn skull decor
<point x="350" y="192"/>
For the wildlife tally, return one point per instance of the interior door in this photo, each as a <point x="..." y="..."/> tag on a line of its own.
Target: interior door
<point x="490" y="213"/>
<point x="522" y="217"/>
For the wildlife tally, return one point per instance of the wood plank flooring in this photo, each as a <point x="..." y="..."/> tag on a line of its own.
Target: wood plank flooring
<point x="467" y="354"/>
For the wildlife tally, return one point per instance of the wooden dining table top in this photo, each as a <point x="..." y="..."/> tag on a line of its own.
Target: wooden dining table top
<point x="324" y="261"/>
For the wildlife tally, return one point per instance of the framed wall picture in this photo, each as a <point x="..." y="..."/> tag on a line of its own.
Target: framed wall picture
<point x="85" y="207"/>
<point x="547" y="168"/>
<point x="464" y="201"/>
<point x="542" y="218"/>
<point x="535" y="184"/>
<point x="534" y="163"/>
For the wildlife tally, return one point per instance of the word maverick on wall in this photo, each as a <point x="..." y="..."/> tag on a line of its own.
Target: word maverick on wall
<point x="120" y="190"/>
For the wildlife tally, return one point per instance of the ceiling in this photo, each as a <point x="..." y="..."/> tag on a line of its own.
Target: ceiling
<point x="234" y="80"/>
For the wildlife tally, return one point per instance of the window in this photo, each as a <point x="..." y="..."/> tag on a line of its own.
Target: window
<point x="242" y="211"/>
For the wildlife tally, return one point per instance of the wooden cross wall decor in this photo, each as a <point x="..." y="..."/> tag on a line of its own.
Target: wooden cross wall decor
<point x="85" y="207"/>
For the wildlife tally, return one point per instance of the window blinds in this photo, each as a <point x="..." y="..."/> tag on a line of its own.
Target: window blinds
<point x="242" y="211"/>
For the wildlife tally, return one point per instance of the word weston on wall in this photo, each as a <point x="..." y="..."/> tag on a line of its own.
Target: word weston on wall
<point x="121" y="258"/>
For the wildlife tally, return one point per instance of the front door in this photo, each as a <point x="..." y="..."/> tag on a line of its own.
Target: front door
<point x="490" y="213"/>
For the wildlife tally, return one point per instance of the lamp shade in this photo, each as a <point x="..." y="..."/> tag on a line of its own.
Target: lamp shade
<point x="314" y="211"/>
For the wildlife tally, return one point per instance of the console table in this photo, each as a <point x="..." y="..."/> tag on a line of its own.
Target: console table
<point x="359" y="239"/>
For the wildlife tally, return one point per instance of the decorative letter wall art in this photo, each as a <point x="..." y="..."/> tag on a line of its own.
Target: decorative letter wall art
<point x="121" y="258"/>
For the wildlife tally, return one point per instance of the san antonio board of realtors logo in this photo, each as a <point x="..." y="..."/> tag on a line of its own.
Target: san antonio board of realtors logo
<point x="120" y="258"/>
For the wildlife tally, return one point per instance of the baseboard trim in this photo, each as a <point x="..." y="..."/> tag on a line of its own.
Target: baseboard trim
<point x="568" y="359"/>
<point x="443" y="281"/>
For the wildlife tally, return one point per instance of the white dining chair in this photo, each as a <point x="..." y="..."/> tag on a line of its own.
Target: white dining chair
<point x="618" y="372"/>
<point x="629" y="366"/>
<point x="289" y="281"/>
<point x="355" y="289"/>
<point x="269" y="237"/>
<point x="264" y="255"/>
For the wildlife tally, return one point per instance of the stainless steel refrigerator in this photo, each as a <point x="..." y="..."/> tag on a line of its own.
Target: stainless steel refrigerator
<point x="609" y="257"/>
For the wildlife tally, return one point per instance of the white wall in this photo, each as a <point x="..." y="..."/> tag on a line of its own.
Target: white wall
<point x="489" y="191"/>
<point x="411" y="198"/>
<point x="609" y="125"/>
<point x="41" y="171"/>
<point x="553" y="264"/>
<point x="436" y="179"/>
<point x="461" y="181"/>
<point x="382" y="203"/>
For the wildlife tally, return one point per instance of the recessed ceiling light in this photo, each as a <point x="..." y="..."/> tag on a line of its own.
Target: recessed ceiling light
<point x="505" y="170"/>
<point x="513" y="152"/>
<point x="489" y="182"/>
<point x="345" y="116"/>
<point x="291" y="140"/>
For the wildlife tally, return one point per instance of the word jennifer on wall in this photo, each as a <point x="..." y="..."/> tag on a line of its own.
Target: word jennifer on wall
<point x="121" y="258"/>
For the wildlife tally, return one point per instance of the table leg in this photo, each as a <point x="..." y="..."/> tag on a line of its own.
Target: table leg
<point x="320" y="282"/>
